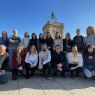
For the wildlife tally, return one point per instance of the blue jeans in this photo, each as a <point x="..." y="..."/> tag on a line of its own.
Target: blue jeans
<point x="3" y="79"/>
<point x="11" y="51"/>
<point x="88" y="72"/>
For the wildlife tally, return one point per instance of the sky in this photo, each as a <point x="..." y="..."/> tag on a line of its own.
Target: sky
<point x="31" y="15"/>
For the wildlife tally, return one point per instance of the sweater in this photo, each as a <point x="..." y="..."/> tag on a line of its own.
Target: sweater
<point x="25" y="42"/>
<point x="44" y="57"/>
<point x="14" y="61"/>
<point x="31" y="59"/>
<point x="77" y="59"/>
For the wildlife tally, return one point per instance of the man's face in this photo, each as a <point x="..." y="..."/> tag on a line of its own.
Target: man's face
<point x="48" y="34"/>
<point x="14" y="32"/>
<point x="44" y="47"/>
<point x="2" y="50"/>
<point x="58" y="49"/>
<point x="78" y="32"/>
<point x="4" y="34"/>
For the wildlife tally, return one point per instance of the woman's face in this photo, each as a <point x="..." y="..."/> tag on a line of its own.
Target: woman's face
<point x="42" y="36"/>
<point x="32" y="49"/>
<point x="68" y="37"/>
<point x="74" y="49"/>
<point x="19" y="49"/>
<point x="33" y="36"/>
<point x="90" y="31"/>
<point x="90" y="49"/>
<point x="57" y="34"/>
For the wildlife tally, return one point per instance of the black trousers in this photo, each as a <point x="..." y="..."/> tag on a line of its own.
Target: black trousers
<point x="15" y="73"/>
<point x="29" y="69"/>
<point x="76" y="71"/>
<point x="54" y="69"/>
<point x="47" y="67"/>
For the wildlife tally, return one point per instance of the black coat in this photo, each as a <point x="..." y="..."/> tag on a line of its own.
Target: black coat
<point x="69" y="43"/>
<point x="58" y="58"/>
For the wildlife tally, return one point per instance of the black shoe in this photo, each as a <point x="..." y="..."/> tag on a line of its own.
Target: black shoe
<point x="77" y="74"/>
<point x="32" y="74"/>
<point x="63" y="75"/>
<point x="72" y="75"/>
<point x="27" y="77"/>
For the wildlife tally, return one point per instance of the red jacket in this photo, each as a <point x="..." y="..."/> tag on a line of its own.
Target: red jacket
<point x="14" y="64"/>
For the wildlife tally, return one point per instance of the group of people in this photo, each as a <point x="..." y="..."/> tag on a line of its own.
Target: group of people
<point x="47" y="55"/>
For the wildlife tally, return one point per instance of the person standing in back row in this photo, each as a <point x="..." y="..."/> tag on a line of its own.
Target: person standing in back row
<point x="79" y="41"/>
<point x="14" y="42"/>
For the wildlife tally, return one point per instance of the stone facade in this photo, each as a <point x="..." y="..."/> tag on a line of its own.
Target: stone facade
<point x="53" y="27"/>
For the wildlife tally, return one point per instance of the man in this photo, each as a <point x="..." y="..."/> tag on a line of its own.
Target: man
<point x="4" y="40"/>
<point x="4" y="58"/>
<point x="44" y="59"/>
<point x="14" y="42"/>
<point x="58" y="62"/>
<point x="79" y="41"/>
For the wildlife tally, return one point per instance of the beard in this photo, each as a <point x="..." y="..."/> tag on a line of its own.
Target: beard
<point x="43" y="49"/>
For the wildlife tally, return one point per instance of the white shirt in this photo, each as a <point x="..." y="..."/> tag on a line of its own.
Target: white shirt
<point x="78" y="58"/>
<point x="90" y="40"/>
<point x="44" y="57"/>
<point x="25" y="42"/>
<point x="31" y="59"/>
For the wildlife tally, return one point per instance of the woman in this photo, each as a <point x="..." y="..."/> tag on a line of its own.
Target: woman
<point x="17" y="62"/>
<point x="33" y="40"/>
<point x="31" y="61"/>
<point x="67" y="43"/>
<point x="4" y="59"/>
<point x="89" y="62"/>
<point x="75" y="61"/>
<point x="49" y="41"/>
<point x="58" y="41"/>
<point x="4" y="40"/>
<point x="90" y="39"/>
<point x="42" y="40"/>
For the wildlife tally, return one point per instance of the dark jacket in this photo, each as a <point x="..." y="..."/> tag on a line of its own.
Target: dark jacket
<point x="4" y="65"/>
<point x="39" y="44"/>
<point x="89" y="62"/>
<point x="49" y="43"/>
<point x="58" y="58"/>
<point x="4" y="41"/>
<point x="32" y="42"/>
<point x="79" y="42"/>
<point x="14" y="62"/>
<point x="69" y="43"/>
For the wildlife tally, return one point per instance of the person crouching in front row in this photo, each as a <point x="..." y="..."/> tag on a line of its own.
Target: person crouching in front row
<point x="58" y="62"/>
<point x="44" y="60"/>
<point x="31" y="61"/>
<point x="4" y="59"/>
<point x="18" y="62"/>
<point x="89" y="62"/>
<point x="75" y="61"/>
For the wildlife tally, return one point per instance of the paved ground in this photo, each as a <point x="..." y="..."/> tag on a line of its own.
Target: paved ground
<point x="40" y="86"/>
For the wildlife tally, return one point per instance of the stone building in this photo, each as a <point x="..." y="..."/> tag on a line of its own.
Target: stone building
<point x="53" y="26"/>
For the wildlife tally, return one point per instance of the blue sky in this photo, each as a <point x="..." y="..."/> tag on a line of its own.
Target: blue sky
<point x="31" y="15"/>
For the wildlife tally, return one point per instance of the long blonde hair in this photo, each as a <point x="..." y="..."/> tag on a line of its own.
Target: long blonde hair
<point x="34" y="48"/>
<point x="91" y="30"/>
